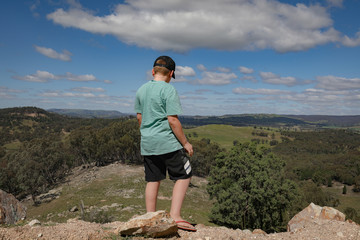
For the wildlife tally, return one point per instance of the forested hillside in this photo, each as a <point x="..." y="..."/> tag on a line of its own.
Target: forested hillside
<point x="39" y="148"/>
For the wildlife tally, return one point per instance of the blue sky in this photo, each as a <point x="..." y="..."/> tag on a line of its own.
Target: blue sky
<point x="232" y="56"/>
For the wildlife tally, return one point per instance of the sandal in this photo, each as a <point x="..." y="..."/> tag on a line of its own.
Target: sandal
<point x="190" y="228"/>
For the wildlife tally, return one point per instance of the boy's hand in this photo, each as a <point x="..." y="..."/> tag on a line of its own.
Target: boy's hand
<point x="188" y="148"/>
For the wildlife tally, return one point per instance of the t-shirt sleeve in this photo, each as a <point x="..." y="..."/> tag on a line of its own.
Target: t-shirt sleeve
<point x="137" y="106"/>
<point x="173" y="105"/>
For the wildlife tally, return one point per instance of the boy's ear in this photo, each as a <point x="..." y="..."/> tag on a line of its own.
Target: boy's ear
<point x="153" y="72"/>
<point x="171" y="73"/>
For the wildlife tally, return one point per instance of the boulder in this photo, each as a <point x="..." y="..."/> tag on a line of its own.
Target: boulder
<point x="152" y="224"/>
<point x="49" y="196"/>
<point x="313" y="213"/>
<point x="11" y="210"/>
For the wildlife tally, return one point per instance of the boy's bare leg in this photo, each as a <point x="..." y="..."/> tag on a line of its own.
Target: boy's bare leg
<point x="151" y="193"/>
<point x="178" y="197"/>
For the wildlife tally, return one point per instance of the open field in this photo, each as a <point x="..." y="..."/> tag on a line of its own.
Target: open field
<point x="350" y="199"/>
<point x="225" y="135"/>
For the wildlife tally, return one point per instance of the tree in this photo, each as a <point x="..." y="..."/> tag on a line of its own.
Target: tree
<point x="250" y="189"/>
<point x="356" y="188"/>
<point x="203" y="159"/>
<point x="344" y="189"/>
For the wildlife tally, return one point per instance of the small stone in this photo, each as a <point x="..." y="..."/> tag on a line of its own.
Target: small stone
<point x="74" y="209"/>
<point x="40" y="235"/>
<point x="259" y="231"/>
<point x="34" y="222"/>
<point x="340" y="234"/>
<point x="247" y="231"/>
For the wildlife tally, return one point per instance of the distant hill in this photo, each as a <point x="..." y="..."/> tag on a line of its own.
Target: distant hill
<point x="84" y="113"/>
<point x="340" y="121"/>
<point x="273" y="120"/>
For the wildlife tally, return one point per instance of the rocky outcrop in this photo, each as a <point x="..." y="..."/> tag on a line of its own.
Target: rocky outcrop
<point x="49" y="196"/>
<point x="313" y="213"/>
<point x="152" y="224"/>
<point x="11" y="210"/>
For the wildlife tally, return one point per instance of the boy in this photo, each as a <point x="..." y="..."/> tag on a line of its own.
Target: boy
<point x="163" y="143"/>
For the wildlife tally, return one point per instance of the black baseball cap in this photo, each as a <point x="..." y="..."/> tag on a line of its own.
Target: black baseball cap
<point x="169" y="63"/>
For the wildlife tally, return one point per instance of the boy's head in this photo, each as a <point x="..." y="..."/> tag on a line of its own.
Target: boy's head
<point x="164" y="65"/>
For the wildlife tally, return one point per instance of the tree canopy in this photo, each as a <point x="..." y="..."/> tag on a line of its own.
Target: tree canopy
<point x="250" y="189"/>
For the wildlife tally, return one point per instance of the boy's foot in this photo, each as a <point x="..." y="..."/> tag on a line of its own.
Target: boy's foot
<point x="185" y="225"/>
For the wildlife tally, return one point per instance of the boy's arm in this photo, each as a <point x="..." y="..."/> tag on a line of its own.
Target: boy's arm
<point x="179" y="133"/>
<point x="139" y="118"/>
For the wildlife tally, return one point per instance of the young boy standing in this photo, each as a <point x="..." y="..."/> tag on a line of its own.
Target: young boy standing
<point x="163" y="143"/>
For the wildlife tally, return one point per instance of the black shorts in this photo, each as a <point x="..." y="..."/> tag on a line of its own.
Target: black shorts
<point x="176" y="163"/>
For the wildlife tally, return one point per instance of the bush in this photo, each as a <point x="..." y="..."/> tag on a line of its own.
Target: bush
<point x="250" y="189"/>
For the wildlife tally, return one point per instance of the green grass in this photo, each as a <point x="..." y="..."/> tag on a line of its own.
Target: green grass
<point x="225" y="135"/>
<point x="351" y="199"/>
<point x="128" y="192"/>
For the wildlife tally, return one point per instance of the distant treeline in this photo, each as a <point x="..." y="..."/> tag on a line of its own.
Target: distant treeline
<point x="270" y="120"/>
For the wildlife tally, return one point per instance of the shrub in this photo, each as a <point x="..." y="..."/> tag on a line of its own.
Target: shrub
<point x="250" y="189"/>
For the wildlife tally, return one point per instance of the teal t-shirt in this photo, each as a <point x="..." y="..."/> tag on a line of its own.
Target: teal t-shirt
<point x="156" y="100"/>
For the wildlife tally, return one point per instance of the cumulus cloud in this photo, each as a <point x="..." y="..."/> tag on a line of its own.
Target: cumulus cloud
<point x="260" y="91"/>
<point x="223" y="69"/>
<point x="225" y="25"/>
<point x="44" y="76"/>
<point x="201" y="67"/>
<point x="337" y="83"/>
<point x="79" y="78"/>
<point x="335" y="3"/>
<point x="51" y="53"/>
<point x="272" y="78"/>
<point x="7" y="93"/>
<point x="59" y="94"/>
<point x="215" y="78"/>
<point x="246" y="70"/>
<point x="39" y="76"/>
<point x="351" y="42"/>
<point x="249" y="78"/>
<point x="88" y="89"/>
<point x="184" y="71"/>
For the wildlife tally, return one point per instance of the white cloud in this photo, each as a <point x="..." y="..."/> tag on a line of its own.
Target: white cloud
<point x="335" y="3"/>
<point x="8" y="93"/>
<point x="246" y="70"/>
<point x="260" y="91"/>
<point x="10" y="90"/>
<point x="88" y="89"/>
<point x="59" y="94"/>
<point x="223" y="69"/>
<point x="184" y="71"/>
<point x="222" y="25"/>
<point x="338" y="83"/>
<point x="39" y="76"/>
<point x="201" y="67"/>
<point x="272" y="78"/>
<point x="249" y="78"/>
<point x="215" y="78"/>
<point x="44" y="76"/>
<point x="51" y="53"/>
<point x="80" y="78"/>
<point x="351" y="42"/>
